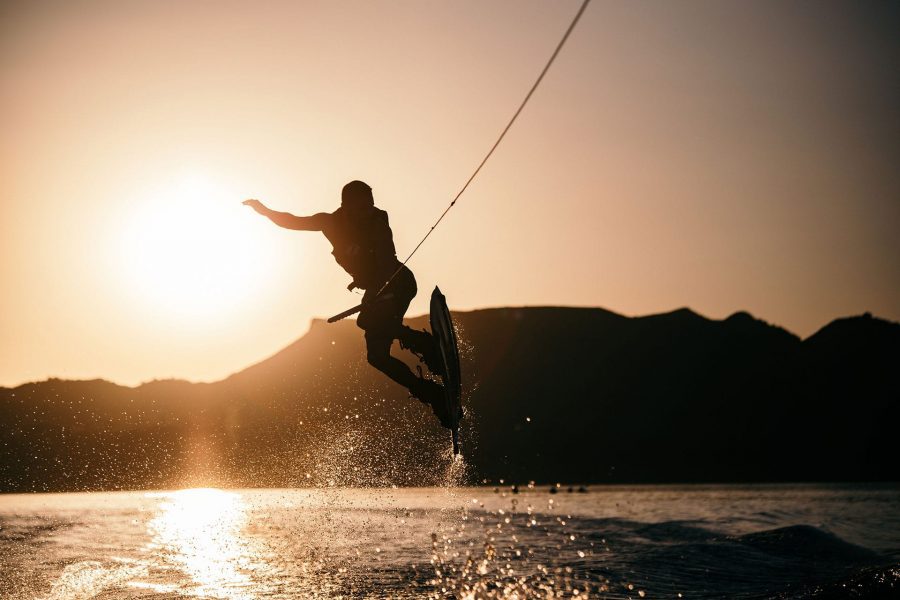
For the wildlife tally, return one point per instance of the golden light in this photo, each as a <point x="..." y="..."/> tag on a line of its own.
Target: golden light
<point x="190" y="250"/>
<point x="200" y="531"/>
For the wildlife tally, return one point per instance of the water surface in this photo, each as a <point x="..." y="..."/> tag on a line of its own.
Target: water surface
<point x="780" y="541"/>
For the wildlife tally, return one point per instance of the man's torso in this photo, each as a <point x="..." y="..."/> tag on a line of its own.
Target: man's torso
<point x="363" y="245"/>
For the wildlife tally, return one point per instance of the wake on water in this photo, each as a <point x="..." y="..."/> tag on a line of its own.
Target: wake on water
<point x="646" y="542"/>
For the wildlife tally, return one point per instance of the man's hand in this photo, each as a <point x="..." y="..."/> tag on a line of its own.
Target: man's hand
<point x="256" y="205"/>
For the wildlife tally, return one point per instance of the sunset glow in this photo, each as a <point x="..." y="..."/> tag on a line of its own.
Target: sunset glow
<point x="199" y="531"/>
<point x="673" y="156"/>
<point x="471" y="299"/>
<point x="188" y="252"/>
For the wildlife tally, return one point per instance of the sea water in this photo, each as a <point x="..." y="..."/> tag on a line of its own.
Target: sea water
<point x="760" y="541"/>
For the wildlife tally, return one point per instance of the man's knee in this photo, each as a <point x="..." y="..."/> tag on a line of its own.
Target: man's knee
<point x="415" y="340"/>
<point x="378" y="352"/>
<point x="377" y="359"/>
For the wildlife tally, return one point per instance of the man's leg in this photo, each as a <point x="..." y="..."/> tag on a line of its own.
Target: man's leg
<point x="422" y="344"/>
<point x="378" y="353"/>
<point x="382" y="320"/>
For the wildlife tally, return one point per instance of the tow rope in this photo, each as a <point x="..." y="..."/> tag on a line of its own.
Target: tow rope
<point x="537" y="82"/>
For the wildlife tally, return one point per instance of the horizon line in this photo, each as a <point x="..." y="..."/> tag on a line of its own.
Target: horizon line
<point x="317" y="321"/>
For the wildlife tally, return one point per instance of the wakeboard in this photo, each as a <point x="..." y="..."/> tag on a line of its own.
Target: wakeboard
<point x="445" y="337"/>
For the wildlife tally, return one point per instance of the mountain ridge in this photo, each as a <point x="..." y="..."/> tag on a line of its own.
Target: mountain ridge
<point x="322" y="322"/>
<point x="554" y="394"/>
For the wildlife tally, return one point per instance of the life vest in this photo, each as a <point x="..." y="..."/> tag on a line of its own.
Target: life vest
<point x="363" y="244"/>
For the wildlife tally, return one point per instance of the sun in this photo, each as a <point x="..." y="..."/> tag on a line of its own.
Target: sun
<point x="190" y="250"/>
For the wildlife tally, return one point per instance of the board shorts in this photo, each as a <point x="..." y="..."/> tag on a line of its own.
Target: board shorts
<point x="383" y="317"/>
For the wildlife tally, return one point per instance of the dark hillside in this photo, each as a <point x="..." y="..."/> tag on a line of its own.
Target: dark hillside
<point x="554" y="394"/>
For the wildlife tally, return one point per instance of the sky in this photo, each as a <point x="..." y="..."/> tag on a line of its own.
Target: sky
<point x="718" y="155"/>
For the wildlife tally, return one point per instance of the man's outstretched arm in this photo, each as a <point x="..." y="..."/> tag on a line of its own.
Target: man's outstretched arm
<point x="315" y="222"/>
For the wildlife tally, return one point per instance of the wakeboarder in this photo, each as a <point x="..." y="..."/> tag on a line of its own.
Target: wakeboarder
<point x="363" y="246"/>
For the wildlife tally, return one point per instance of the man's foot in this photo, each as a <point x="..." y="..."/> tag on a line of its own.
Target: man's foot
<point x="424" y="346"/>
<point x="432" y="359"/>
<point x="432" y="393"/>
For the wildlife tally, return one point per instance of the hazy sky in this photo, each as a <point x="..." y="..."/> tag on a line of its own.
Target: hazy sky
<point x="719" y="155"/>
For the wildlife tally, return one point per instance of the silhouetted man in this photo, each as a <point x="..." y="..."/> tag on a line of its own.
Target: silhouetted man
<point x="364" y="246"/>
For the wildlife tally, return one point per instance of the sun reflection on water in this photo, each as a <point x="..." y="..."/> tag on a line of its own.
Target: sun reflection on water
<point x="199" y="531"/>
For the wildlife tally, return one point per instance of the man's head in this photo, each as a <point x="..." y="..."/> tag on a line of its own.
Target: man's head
<point x="357" y="194"/>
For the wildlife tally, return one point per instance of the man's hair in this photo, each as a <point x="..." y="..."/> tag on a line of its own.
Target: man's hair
<point x="357" y="194"/>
